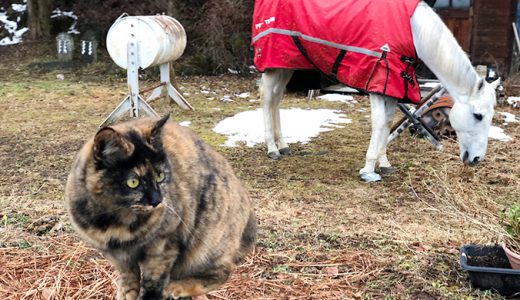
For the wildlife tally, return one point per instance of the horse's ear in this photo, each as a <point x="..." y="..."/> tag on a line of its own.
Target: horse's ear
<point x="496" y="83"/>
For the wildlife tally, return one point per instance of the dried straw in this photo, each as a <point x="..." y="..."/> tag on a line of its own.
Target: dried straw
<point x="62" y="269"/>
<point x="339" y="275"/>
<point x="67" y="269"/>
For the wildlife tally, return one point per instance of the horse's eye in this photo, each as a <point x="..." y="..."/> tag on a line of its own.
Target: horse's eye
<point x="478" y="116"/>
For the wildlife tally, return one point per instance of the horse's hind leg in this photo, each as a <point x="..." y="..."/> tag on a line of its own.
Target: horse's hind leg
<point x="384" y="165"/>
<point x="382" y="112"/>
<point x="272" y="87"/>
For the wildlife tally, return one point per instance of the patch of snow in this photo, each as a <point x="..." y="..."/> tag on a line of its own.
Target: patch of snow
<point x="226" y="98"/>
<point x="299" y="125"/>
<point x="12" y="28"/>
<point x="19" y="7"/>
<point x="514" y="101"/>
<point x="185" y="123"/>
<point x="338" y="98"/>
<point x="508" y="117"/>
<point x="233" y="71"/>
<point x="498" y="133"/>
<point x="244" y="95"/>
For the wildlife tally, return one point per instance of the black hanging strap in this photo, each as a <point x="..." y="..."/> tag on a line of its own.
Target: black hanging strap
<point x="300" y="47"/>
<point x="382" y="57"/>
<point x="337" y="62"/>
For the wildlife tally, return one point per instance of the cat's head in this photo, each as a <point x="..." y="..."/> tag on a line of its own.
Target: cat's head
<point x="130" y="167"/>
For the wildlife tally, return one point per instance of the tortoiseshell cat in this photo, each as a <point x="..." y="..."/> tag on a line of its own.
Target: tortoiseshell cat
<point x="166" y="209"/>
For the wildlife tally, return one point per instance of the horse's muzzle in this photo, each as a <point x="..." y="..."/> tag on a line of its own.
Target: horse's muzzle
<point x="475" y="161"/>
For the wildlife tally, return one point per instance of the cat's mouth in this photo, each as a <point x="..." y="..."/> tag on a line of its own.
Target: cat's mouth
<point x="141" y="207"/>
<point x="148" y="202"/>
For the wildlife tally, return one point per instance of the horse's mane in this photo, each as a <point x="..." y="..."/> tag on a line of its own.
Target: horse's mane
<point x="437" y="48"/>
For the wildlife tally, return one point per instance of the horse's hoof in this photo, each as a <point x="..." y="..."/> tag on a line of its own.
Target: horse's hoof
<point x="285" y="151"/>
<point x="370" y="177"/>
<point x="387" y="170"/>
<point x="274" y="155"/>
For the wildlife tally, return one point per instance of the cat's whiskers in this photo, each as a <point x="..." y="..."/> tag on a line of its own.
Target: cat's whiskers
<point x="141" y="208"/>
<point x="186" y="225"/>
<point x="153" y="228"/>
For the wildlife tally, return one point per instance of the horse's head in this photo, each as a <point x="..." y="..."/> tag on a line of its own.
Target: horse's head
<point x="471" y="118"/>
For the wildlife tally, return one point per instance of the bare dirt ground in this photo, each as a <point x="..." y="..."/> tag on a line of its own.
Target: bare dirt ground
<point x="323" y="234"/>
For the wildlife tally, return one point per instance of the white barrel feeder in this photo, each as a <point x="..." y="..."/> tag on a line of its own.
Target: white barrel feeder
<point x="135" y="42"/>
<point x="160" y="39"/>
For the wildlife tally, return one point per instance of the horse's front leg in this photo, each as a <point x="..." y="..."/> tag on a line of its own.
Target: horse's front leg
<point x="272" y="150"/>
<point x="381" y="118"/>
<point x="285" y="76"/>
<point x="272" y="87"/>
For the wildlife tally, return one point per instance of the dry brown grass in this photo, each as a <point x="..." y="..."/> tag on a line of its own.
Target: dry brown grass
<point x="58" y="268"/>
<point x="63" y="268"/>
<point x="322" y="233"/>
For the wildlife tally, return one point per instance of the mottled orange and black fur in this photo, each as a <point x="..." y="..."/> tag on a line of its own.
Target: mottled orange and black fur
<point x="165" y="208"/>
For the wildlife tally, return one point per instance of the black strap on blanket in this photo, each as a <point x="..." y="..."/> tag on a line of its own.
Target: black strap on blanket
<point x="408" y="79"/>
<point x="383" y="57"/>
<point x="387" y="72"/>
<point x="300" y="47"/>
<point x="337" y="62"/>
<point x="332" y="77"/>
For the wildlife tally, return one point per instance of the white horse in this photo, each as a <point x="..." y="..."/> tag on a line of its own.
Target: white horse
<point x="471" y="115"/>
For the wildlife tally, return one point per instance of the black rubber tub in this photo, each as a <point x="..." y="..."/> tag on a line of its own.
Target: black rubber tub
<point x="489" y="269"/>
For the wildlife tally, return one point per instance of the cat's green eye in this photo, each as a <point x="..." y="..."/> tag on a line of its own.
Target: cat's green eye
<point x="132" y="182"/>
<point x="160" y="177"/>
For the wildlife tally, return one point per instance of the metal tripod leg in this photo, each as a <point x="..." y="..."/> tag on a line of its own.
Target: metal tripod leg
<point x="127" y="105"/>
<point x="134" y="102"/>
<point x="170" y="90"/>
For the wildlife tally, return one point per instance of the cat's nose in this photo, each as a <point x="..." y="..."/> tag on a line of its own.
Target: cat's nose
<point x="154" y="199"/>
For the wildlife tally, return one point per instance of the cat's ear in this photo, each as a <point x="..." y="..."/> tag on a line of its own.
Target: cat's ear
<point x="155" y="135"/>
<point x="110" y="147"/>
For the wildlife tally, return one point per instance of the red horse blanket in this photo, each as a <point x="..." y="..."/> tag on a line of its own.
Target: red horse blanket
<point x="365" y="44"/>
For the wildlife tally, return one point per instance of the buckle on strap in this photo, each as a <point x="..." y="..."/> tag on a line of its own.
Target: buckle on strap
<point x="408" y="60"/>
<point x="408" y="78"/>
